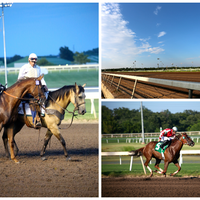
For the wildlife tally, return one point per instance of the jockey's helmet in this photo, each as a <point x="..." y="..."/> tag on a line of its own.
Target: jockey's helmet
<point x="175" y="129"/>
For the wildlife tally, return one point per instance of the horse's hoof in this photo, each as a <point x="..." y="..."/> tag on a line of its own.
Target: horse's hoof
<point x="68" y="158"/>
<point x="43" y="158"/>
<point x="16" y="161"/>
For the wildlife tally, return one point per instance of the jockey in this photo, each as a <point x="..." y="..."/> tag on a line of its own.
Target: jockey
<point x="166" y="136"/>
<point x="31" y="70"/>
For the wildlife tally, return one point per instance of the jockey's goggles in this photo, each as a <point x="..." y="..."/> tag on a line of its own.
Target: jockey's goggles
<point x="32" y="59"/>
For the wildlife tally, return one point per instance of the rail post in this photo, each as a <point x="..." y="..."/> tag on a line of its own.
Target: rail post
<point x="119" y="83"/>
<point x="112" y="80"/>
<point x="134" y="88"/>
<point x="190" y="93"/>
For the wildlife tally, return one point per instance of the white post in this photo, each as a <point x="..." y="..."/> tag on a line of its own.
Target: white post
<point x="143" y="165"/>
<point x="131" y="163"/>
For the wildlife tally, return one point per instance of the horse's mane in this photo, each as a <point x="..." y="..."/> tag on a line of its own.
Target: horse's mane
<point x="62" y="92"/>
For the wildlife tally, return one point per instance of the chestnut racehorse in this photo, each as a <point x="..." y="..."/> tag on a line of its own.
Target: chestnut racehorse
<point x="171" y="154"/>
<point x="56" y="105"/>
<point x="10" y="100"/>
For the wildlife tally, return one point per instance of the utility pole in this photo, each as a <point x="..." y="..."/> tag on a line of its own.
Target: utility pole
<point x="142" y="123"/>
<point x="4" y="42"/>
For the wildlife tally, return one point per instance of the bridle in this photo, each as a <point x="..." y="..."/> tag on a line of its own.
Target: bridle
<point x="36" y="99"/>
<point x="65" y="109"/>
<point x="183" y="138"/>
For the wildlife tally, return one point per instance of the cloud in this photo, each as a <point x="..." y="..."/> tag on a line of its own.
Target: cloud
<point x="120" y="45"/>
<point x="157" y="9"/>
<point x="161" y="34"/>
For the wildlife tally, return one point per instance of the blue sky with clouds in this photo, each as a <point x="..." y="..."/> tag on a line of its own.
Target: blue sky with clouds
<point x="44" y="27"/>
<point x="144" y="32"/>
<point x="173" y="106"/>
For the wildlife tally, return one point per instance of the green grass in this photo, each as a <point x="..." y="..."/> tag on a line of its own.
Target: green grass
<point x="57" y="79"/>
<point x="137" y="170"/>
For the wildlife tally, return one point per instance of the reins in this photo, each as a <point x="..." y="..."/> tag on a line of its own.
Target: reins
<point x="25" y="99"/>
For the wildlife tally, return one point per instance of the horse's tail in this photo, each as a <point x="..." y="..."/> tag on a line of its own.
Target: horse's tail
<point x="137" y="152"/>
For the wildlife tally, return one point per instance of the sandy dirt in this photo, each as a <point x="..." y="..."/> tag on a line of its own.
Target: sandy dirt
<point x="54" y="177"/>
<point x="151" y="90"/>
<point x="151" y="187"/>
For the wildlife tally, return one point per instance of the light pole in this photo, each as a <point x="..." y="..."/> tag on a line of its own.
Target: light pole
<point x="4" y="42"/>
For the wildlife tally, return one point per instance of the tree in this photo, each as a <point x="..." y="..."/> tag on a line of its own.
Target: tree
<point x="65" y="53"/>
<point x="43" y="62"/>
<point x="80" y="58"/>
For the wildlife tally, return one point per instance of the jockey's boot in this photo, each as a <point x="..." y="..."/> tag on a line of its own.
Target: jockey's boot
<point x="166" y="142"/>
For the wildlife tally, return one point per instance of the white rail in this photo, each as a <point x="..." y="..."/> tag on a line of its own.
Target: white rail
<point x="56" y="67"/>
<point x="181" y="84"/>
<point x="126" y="153"/>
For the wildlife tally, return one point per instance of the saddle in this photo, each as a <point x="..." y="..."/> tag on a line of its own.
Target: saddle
<point x="157" y="147"/>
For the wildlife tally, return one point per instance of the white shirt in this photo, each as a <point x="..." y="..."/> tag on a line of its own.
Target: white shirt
<point x="23" y="72"/>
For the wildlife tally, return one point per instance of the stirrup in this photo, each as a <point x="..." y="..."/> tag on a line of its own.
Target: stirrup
<point x="38" y="125"/>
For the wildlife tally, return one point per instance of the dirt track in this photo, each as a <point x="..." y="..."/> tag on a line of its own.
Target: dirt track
<point x="54" y="177"/>
<point x="150" y="90"/>
<point x="151" y="187"/>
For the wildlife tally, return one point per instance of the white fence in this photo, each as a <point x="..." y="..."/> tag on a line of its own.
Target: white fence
<point x="57" y="67"/>
<point x="126" y="153"/>
<point x="181" y="84"/>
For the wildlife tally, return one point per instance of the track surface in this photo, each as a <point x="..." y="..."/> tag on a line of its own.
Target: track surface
<point x="150" y="90"/>
<point x="54" y="177"/>
<point x="151" y="187"/>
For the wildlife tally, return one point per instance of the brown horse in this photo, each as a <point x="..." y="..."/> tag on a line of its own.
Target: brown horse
<point x="56" y="105"/>
<point x="171" y="154"/>
<point x="10" y="100"/>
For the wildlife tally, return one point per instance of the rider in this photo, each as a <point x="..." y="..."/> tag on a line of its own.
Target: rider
<point x="30" y="70"/>
<point x="166" y="136"/>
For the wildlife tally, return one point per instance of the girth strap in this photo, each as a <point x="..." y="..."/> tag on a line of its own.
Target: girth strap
<point x="56" y="113"/>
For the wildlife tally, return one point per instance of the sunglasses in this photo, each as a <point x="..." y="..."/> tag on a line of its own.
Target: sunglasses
<point x="33" y="59"/>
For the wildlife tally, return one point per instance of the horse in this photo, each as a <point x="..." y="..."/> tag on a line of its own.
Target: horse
<point x="10" y="100"/>
<point x="55" y="107"/>
<point x="171" y="154"/>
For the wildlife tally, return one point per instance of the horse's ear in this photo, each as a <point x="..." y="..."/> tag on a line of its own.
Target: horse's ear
<point x="40" y="77"/>
<point x="77" y="88"/>
<point x="84" y="85"/>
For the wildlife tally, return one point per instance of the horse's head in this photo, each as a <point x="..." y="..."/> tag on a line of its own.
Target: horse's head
<point x="79" y="99"/>
<point x="36" y="89"/>
<point x="185" y="139"/>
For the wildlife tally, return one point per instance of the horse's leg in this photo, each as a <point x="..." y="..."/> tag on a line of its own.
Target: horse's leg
<point x="11" y="141"/>
<point x="148" y="158"/>
<point x="16" y="128"/>
<point x="157" y="166"/>
<point x="166" y="164"/>
<point x="46" y="141"/>
<point x="5" y="142"/>
<point x="179" y="168"/>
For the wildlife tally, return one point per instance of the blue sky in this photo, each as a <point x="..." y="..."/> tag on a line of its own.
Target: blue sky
<point x="43" y="28"/>
<point x="144" y="32"/>
<point x="156" y="105"/>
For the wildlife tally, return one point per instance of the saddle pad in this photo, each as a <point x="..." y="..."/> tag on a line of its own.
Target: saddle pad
<point x="28" y="110"/>
<point x="157" y="147"/>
